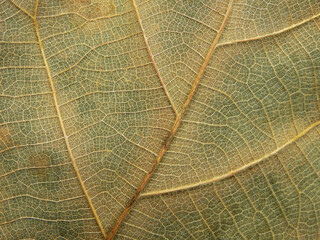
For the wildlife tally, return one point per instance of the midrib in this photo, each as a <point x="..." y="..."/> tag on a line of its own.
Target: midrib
<point x="175" y="125"/>
<point x="65" y="136"/>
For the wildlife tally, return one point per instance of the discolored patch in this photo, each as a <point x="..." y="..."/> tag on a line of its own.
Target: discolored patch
<point x="41" y="162"/>
<point x="47" y="167"/>
<point x="5" y="137"/>
<point x="94" y="8"/>
<point x="67" y="230"/>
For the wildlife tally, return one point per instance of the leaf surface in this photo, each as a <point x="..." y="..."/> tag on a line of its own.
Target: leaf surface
<point x="159" y="119"/>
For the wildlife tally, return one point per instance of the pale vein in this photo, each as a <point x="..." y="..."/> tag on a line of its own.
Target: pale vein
<point x="232" y="173"/>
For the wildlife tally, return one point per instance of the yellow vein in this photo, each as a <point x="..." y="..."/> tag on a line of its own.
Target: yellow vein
<point x="313" y="67"/>
<point x="175" y="126"/>
<point x="202" y="217"/>
<point x="176" y="217"/>
<point x="62" y="124"/>
<point x="273" y="33"/>
<point x="21" y="9"/>
<point x="232" y="173"/>
<point x="152" y="58"/>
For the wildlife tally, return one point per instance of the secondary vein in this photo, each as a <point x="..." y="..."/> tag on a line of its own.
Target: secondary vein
<point x="232" y="173"/>
<point x="272" y="33"/>
<point x="152" y="59"/>
<point x="65" y="136"/>
<point x="175" y="125"/>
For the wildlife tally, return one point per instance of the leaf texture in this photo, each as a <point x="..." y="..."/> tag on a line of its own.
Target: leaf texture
<point x="159" y="119"/>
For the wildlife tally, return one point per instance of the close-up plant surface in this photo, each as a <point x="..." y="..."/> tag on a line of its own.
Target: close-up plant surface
<point x="159" y="119"/>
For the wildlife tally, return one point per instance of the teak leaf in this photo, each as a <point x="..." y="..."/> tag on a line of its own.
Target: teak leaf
<point x="159" y="119"/>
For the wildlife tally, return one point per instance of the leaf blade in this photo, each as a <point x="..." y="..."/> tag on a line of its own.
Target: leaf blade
<point x="258" y="96"/>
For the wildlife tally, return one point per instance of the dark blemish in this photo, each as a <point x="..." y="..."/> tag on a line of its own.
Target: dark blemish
<point x="68" y="231"/>
<point x="272" y="179"/>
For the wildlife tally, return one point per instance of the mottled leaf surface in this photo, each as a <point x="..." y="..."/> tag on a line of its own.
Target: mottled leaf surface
<point x="159" y="119"/>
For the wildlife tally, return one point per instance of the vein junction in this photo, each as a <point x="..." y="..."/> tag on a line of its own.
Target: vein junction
<point x="176" y="123"/>
<point x="232" y="173"/>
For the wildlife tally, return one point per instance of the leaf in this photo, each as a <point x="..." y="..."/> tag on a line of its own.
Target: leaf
<point x="159" y="119"/>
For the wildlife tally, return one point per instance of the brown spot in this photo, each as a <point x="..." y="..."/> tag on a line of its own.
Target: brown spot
<point x="5" y="138"/>
<point x="41" y="162"/>
<point x="94" y="8"/>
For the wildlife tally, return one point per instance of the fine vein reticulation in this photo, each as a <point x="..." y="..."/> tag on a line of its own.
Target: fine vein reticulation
<point x="74" y="164"/>
<point x="176" y="123"/>
<point x="224" y="176"/>
<point x="303" y="132"/>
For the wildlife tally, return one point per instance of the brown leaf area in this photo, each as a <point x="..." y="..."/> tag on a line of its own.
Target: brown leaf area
<point x="41" y="163"/>
<point x="88" y="9"/>
<point x="5" y="137"/>
<point x="159" y="119"/>
<point x="94" y="8"/>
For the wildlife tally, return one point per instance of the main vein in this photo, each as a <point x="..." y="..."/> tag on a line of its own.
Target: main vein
<point x="175" y="125"/>
<point x="74" y="164"/>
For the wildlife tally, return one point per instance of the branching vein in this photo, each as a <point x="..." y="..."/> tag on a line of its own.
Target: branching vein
<point x="176" y="124"/>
